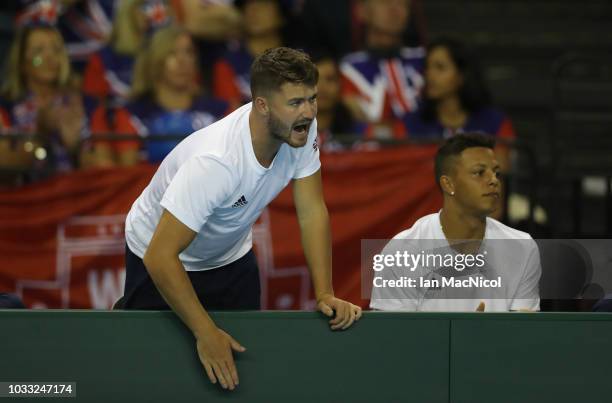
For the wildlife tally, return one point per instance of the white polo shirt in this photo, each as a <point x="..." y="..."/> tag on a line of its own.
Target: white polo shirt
<point x="511" y="256"/>
<point x="213" y="183"/>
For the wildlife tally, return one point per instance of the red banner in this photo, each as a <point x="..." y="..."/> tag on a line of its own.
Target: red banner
<point x="62" y="241"/>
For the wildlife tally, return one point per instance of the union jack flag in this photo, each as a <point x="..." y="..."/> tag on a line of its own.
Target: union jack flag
<point x="384" y="86"/>
<point x="39" y="12"/>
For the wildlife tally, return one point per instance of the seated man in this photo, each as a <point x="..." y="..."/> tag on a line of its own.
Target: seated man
<point x="460" y="259"/>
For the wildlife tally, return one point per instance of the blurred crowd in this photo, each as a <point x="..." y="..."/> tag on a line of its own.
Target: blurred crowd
<point x="100" y="83"/>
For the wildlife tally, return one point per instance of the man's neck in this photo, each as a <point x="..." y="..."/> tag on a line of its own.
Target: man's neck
<point x="256" y="45"/>
<point x="459" y="225"/>
<point x="264" y="145"/>
<point x="172" y="99"/>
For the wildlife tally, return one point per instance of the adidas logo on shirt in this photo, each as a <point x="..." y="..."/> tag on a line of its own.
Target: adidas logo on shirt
<point x="241" y="202"/>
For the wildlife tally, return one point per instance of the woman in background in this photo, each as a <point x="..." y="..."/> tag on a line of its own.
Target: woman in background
<point x="166" y="99"/>
<point x="456" y="99"/>
<point x="39" y="97"/>
<point x="335" y="124"/>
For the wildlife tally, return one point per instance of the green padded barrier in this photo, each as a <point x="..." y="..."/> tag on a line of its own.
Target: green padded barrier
<point x="292" y="357"/>
<point x="533" y="357"/>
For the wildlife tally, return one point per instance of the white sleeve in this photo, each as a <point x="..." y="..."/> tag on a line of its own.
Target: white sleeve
<point x="200" y="185"/>
<point x="527" y="295"/>
<point x="308" y="160"/>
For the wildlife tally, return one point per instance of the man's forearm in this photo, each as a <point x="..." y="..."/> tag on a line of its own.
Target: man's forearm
<point x="174" y="285"/>
<point x="316" y="241"/>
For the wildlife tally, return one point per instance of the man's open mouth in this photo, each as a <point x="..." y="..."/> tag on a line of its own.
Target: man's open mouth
<point x="301" y="127"/>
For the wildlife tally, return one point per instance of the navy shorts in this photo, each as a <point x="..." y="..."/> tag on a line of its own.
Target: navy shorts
<point x="231" y="287"/>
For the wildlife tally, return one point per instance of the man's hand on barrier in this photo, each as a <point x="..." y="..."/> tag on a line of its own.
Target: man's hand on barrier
<point x="346" y="313"/>
<point x="481" y="307"/>
<point x="215" y="352"/>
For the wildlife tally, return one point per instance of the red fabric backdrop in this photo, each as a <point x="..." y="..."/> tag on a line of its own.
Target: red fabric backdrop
<point x="61" y="241"/>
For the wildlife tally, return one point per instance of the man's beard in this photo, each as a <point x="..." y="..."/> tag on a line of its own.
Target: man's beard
<point x="277" y="129"/>
<point x="281" y="132"/>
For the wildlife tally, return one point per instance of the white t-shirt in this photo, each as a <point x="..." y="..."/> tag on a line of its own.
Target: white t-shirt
<point x="213" y="183"/>
<point x="510" y="256"/>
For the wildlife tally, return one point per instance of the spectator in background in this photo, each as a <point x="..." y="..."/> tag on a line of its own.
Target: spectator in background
<point x="109" y="72"/>
<point x="456" y="99"/>
<point x="338" y="27"/>
<point x="166" y="100"/>
<point x="383" y="82"/>
<point x="211" y="23"/>
<point x="85" y="25"/>
<point x="333" y="118"/>
<point x="39" y="97"/>
<point x="263" y="22"/>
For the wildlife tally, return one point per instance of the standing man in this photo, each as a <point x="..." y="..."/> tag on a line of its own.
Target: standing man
<point x="189" y="245"/>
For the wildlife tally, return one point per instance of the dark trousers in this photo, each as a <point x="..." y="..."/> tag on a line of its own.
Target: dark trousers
<point x="231" y="287"/>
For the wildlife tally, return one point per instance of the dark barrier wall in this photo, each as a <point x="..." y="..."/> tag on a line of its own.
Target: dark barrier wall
<point x="294" y="357"/>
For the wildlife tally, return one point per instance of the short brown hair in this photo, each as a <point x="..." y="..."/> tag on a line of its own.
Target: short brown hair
<point x="278" y="66"/>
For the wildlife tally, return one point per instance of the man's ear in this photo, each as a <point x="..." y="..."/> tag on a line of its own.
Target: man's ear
<point x="447" y="185"/>
<point x="261" y="105"/>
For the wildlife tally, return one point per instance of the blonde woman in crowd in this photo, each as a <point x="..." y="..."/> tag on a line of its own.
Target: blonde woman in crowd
<point x="166" y="99"/>
<point x="39" y="98"/>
